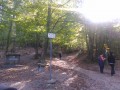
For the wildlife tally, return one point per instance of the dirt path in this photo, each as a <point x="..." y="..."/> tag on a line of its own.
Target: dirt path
<point x="68" y="76"/>
<point x="95" y="80"/>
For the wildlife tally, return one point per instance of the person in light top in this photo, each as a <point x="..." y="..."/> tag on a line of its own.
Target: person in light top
<point x="101" y="60"/>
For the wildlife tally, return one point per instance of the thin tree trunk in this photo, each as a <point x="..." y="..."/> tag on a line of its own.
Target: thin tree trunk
<point x="36" y="47"/>
<point x="8" y="38"/>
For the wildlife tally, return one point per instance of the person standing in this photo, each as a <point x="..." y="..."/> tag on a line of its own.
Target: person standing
<point x="107" y="50"/>
<point x="111" y="61"/>
<point x="101" y="60"/>
<point x="60" y="53"/>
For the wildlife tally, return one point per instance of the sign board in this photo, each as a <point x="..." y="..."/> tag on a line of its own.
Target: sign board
<point x="12" y="58"/>
<point x="51" y="35"/>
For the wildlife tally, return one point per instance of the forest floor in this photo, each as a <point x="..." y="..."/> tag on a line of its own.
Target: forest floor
<point x="70" y="73"/>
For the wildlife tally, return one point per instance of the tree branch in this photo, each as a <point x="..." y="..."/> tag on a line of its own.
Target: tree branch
<point x="61" y="6"/>
<point x="57" y="22"/>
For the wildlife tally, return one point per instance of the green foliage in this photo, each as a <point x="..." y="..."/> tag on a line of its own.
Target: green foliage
<point x="30" y="19"/>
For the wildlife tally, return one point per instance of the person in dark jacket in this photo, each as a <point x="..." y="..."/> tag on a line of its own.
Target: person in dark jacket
<point x="111" y="61"/>
<point x="60" y="53"/>
<point x="101" y="60"/>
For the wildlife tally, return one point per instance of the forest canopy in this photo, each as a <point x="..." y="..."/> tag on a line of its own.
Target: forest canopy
<point x="26" y="23"/>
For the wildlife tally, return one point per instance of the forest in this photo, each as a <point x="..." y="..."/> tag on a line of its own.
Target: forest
<point x="26" y="24"/>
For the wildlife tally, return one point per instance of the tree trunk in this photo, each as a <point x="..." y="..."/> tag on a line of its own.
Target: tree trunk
<point x="47" y="28"/>
<point x="8" y="38"/>
<point x="36" y="47"/>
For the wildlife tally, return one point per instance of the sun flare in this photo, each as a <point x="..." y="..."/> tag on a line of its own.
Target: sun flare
<point x="101" y="10"/>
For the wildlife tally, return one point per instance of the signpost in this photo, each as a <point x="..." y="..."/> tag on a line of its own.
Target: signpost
<point x="51" y="36"/>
